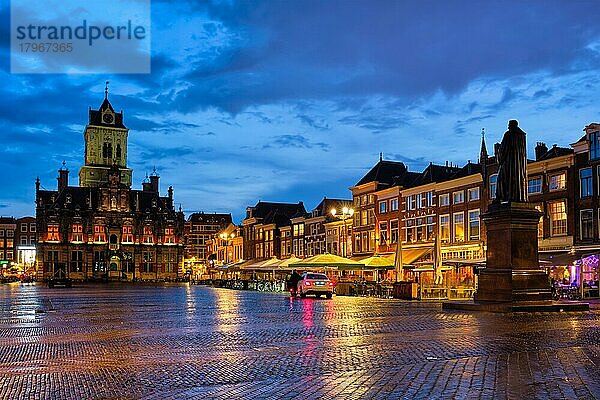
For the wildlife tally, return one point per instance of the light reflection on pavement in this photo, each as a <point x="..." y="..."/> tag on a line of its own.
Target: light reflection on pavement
<point x="180" y="341"/>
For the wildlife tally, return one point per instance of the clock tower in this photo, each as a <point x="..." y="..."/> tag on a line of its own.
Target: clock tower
<point x="105" y="147"/>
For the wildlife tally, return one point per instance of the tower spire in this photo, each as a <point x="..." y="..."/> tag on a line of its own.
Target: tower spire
<point x="106" y="90"/>
<point x="483" y="154"/>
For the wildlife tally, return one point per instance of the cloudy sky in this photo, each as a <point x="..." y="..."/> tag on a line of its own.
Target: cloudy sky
<point x="294" y="100"/>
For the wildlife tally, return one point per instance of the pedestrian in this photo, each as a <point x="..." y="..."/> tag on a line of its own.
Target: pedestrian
<point x="293" y="281"/>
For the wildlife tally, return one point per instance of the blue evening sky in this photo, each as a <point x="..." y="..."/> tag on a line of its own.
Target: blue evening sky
<point x="294" y="100"/>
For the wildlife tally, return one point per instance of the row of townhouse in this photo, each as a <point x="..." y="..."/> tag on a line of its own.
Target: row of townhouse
<point x="391" y="204"/>
<point x="17" y="243"/>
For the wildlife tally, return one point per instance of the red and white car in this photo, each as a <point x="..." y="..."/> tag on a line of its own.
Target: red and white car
<point x="315" y="283"/>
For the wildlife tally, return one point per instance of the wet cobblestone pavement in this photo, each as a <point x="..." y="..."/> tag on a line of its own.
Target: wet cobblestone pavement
<point x="179" y="341"/>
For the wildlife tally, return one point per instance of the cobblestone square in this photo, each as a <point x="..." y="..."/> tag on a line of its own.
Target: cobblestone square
<point x="180" y="342"/>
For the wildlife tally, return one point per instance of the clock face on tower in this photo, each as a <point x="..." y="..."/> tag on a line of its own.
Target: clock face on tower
<point x="107" y="118"/>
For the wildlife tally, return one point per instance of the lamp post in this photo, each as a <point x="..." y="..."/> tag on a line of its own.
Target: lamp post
<point x="346" y="213"/>
<point x="226" y="237"/>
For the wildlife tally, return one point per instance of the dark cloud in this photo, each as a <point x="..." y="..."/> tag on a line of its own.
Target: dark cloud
<point x="295" y="141"/>
<point x="415" y="164"/>
<point x="540" y="94"/>
<point x="461" y="126"/>
<point x="376" y="122"/>
<point x="156" y="153"/>
<point x="342" y="48"/>
<point x="320" y="124"/>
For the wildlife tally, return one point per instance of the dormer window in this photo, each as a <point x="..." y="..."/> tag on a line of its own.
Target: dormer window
<point x="594" y="145"/>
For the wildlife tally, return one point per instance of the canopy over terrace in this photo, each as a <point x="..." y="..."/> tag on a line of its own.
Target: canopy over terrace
<point x="326" y="260"/>
<point x="375" y="262"/>
<point x="262" y="265"/>
<point x="284" y="265"/>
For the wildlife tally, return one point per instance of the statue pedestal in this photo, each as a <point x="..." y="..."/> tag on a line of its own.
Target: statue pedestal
<point x="512" y="279"/>
<point x="512" y="270"/>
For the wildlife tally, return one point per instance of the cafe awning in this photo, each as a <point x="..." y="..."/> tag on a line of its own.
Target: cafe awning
<point x="261" y="264"/>
<point x="559" y="258"/>
<point x="326" y="260"/>
<point x="375" y="262"/>
<point x="409" y="256"/>
<point x="285" y="263"/>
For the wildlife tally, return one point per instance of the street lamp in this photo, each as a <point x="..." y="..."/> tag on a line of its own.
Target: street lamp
<point x="227" y="237"/>
<point x="346" y="213"/>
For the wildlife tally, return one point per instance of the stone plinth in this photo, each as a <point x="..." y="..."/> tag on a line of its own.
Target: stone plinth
<point x="512" y="270"/>
<point x="512" y="279"/>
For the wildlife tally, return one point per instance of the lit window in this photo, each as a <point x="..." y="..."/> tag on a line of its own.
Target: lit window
<point x="474" y="225"/>
<point x="169" y="236"/>
<point x="394" y="231"/>
<point x="53" y="232"/>
<point x="77" y="233"/>
<point x="148" y="237"/>
<point x="534" y="185"/>
<point x="459" y="227"/>
<point x="99" y="234"/>
<point x="558" y="181"/>
<point x="445" y="228"/>
<point x="558" y="218"/>
<point x="127" y="235"/>
<point x="383" y="233"/>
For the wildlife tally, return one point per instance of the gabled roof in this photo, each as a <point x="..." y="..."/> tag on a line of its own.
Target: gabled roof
<point x="388" y="173"/>
<point x="434" y="173"/>
<point x="212" y="218"/>
<point x="290" y="210"/>
<point x="76" y="198"/>
<point x="468" y="169"/>
<point x="7" y="220"/>
<point x="326" y="205"/>
<point x="554" y="152"/>
<point x="96" y="116"/>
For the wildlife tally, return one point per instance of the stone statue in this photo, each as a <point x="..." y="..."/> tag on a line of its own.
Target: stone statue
<point x="512" y="166"/>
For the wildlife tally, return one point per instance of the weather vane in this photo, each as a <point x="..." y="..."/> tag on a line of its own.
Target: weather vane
<point x="106" y="90"/>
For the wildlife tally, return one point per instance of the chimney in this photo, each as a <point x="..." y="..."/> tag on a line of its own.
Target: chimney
<point x="63" y="178"/>
<point x="171" y="192"/>
<point x="154" y="183"/>
<point x="496" y="149"/>
<point x="540" y="150"/>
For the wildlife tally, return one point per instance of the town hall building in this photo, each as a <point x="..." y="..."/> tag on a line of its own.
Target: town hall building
<point x="103" y="229"/>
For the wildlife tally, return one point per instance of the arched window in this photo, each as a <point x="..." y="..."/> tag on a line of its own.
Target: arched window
<point x="118" y="151"/>
<point x="113" y="239"/>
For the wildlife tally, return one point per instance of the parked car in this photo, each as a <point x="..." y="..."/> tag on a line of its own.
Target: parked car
<point x="314" y="283"/>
